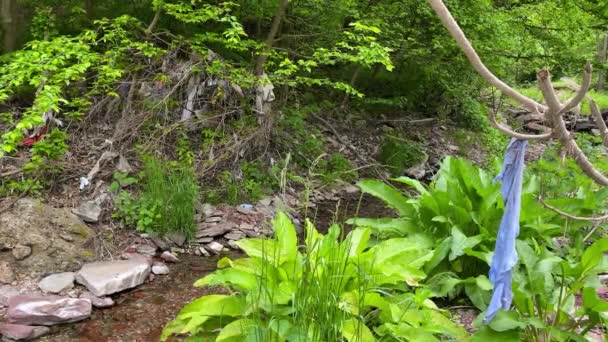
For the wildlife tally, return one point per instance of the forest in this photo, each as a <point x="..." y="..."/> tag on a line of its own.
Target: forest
<point x="304" y="170"/>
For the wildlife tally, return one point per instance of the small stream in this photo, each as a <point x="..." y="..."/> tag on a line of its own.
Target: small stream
<point x="140" y="314"/>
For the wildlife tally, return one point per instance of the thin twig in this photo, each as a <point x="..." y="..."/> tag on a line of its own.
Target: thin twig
<point x="570" y="216"/>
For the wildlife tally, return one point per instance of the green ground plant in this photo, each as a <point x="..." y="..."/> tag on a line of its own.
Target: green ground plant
<point x="166" y="201"/>
<point x="334" y="290"/>
<point x="398" y="154"/>
<point x="546" y="288"/>
<point x="461" y="210"/>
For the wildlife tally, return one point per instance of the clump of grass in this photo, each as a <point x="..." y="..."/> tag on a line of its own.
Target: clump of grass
<point x="399" y="154"/>
<point x="172" y="190"/>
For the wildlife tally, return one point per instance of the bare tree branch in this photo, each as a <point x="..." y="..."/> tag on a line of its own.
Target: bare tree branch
<point x="581" y="92"/>
<point x="552" y="111"/>
<point x="513" y="134"/>
<point x="599" y="121"/>
<point x="450" y="24"/>
<point x="573" y="217"/>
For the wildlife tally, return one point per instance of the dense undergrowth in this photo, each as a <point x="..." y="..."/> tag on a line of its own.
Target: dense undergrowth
<point x="378" y="282"/>
<point x="181" y="89"/>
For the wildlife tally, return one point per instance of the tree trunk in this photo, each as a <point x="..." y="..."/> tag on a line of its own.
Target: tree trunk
<point x="263" y="91"/>
<point x="274" y="29"/>
<point x="89" y="7"/>
<point x="353" y="81"/>
<point x="9" y="25"/>
<point x="602" y="49"/>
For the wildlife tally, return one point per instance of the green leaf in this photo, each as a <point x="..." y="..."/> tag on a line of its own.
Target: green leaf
<point x="593" y="255"/>
<point x="287" y="239"/>
<point x="460" y="242"/>
<point x="592" y="301"/>
<point x="235" y="329"/>
<point x="506" y="320"/>
<point x="355" y="331"/>
<point x="388" y="225"/>
<point x="485" y="334"/>
<point x="413" y="183"/>
<point x="357" y="241"/>
<point x="241" y="279"/>
<point x="440" y="253"/>
<point x="387" y="193"/>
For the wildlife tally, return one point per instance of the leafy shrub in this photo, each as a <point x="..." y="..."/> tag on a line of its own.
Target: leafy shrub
<point x="545" y="291"/>
<point x="166" y="202"/>
<point x="399" y="154"/>
<point x="460" y="210"/>
<point x="333" y="291"/>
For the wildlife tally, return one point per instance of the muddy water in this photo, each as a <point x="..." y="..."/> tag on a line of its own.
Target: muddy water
<point x="140" y="314"/>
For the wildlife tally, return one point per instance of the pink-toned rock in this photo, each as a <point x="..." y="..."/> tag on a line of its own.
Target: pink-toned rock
<point x="137" y="256"/>
<point x="47" y="310"/>
<point x="6" y="292"/>
<point x="98" y="302"/>
<point x="22" y="332"/>
<point x="108" y="277"/>
<point x="169" y="257"/>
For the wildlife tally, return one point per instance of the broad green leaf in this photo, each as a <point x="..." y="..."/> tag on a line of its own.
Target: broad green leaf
<point x="593" y="255"/>
<point x="281" y="327"/>
<point x="287" y="239"/>
<point x="460" y="242"/>
<point x="480" y="298"/>
<point x="445" y="326"/>
<point x="506" y="320"/>
<point x="592" y="301"/>
<point x="356" y="241"/>
<point x="413" y="183"/>
<point x="231" y="276"/>
<point x="355" y="331"/>
<point x="486" y="334"/>
<point x="235" y="330"/>
<point x="388" y="225"/>
<point x="440" y="253"/>
<point x="387" y="193"/>
<point x="213" y="305"/>
<point x="484" y="283"/>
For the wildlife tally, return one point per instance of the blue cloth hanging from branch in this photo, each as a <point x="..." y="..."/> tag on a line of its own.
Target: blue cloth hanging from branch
<point x="505" y="255"/>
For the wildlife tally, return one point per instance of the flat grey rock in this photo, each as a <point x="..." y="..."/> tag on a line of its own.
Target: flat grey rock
<point x="47" y="310"/>
<point x="98" y="302"/>
<point x="56" y="283"/>
<point x="7" y="275"/>
<point x="18" y="332"/>
<point x="55" y="237"/>
<point x="146" y="250"/>
<point x="88" y="211"/>
<point x="169" y="257"/>
<point x="6" y="292"/>
<point x="215" y="247"/>
<point x="235" y="235"/>
<point x="21" y="252"/>
<point x="206" y="230"/>
<point x="160" y="268"/>
<point x="108" y="277"/>
<point x="177" y="238"/>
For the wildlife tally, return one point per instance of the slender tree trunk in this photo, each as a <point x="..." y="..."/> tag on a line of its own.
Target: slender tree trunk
<point x="89" y="7"/>
<point x="274" y="29"/>
<point x="353" y="81"/>
<point x="263" y="91"/>
<point x="602" y="49"/>
<point x="154" y="22"/>
<point x="9" y="29"/>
